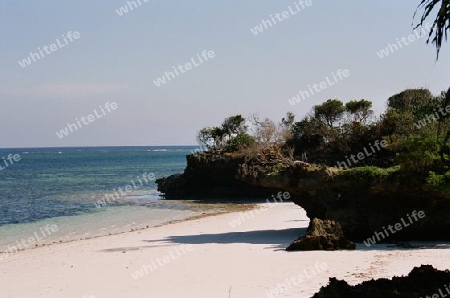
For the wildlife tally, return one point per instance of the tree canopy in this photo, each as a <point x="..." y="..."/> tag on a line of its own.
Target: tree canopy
<point x="230" y="136"/>
<point x="330" y="111"/>
<point x="415" y="127"/>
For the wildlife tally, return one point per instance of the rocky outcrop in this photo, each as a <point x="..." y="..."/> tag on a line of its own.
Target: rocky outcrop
<point x="423" y="281"/>
<point x="322" y="235"/>
<point x="365" y="202"/>
<point x="210" y="176"/>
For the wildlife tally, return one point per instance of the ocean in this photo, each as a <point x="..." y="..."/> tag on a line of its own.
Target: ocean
<point x="85" y="192"/>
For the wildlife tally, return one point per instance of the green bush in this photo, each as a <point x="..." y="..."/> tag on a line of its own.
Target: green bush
<point x="368" y="172"/>
<point x="439" y="182"/>
<point x="240" y="141"/>
<point x="279" y="167"/>
<point x="418" y="153"/>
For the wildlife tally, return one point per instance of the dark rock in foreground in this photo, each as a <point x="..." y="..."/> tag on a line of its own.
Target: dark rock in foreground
<point x="322" y="235"/>
<point x="423" y="281"/>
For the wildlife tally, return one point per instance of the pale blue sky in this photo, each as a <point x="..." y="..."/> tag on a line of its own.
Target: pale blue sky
<point x="117" y="58"/>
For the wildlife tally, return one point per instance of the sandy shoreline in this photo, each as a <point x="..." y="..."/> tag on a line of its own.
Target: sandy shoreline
<point x="206" y="257"/>
<point x="95" y="225"/>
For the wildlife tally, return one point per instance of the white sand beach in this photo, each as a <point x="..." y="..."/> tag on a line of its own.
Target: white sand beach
<point x="205" y="257"/>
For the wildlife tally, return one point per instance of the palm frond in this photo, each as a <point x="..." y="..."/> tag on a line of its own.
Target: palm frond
<point x="441" y="25"/>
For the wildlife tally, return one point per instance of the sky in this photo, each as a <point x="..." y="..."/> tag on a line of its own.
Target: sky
<point x="118" y="56"/>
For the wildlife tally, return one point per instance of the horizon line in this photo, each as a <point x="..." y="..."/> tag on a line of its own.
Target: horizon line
<point x="93" y="146"/>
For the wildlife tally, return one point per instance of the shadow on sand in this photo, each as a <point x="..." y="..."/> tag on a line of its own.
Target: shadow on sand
<point x="274" y="239"/>
<point x="270" y="237"/>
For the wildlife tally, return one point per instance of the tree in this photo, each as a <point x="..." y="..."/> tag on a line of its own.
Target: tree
<point x="286" y="128"/>
<point x="233" y="125"/>
<point x="417" y="107"/>
<point x="218" y="137"/>
<point x="288" y="121"/>
<point x="418" y="153"/>
<point x="265" y="131"/>
<point x="441" y="24"/>
<point x="445" y="148"/>
<point x="309" y="135"/>
<point x="241" y="141"/>
<point x="210" y="137"/>
<point x="359" y="110"/>
<point x="409" y="100"/>
<point x="330" y="111"/>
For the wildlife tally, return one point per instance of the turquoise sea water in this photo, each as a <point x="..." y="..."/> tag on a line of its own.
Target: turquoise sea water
<point x="60" y="185"/>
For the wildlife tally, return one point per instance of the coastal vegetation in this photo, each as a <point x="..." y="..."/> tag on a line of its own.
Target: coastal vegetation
<point x="415" y="128"/>
<point x="352" y="171"/>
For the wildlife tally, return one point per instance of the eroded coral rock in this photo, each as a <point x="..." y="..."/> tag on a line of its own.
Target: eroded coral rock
<point x="322" y="235"/>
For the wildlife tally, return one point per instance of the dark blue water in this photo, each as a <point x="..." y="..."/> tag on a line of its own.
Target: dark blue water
<point x="54" y="182"/>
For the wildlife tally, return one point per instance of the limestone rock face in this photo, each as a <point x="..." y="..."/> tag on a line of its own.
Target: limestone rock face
<point x="210" y="176"/>
<point x="322" y="235"/>
<point x="360" y="202"/>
